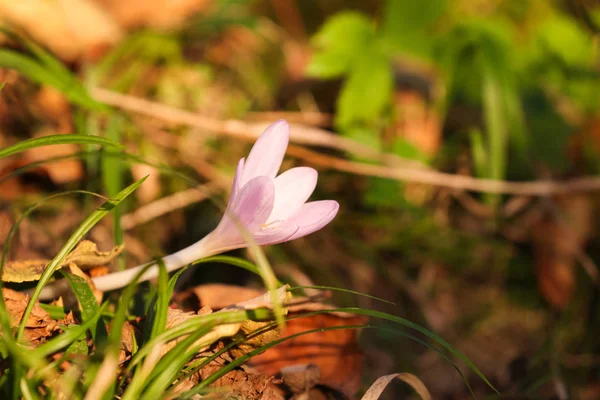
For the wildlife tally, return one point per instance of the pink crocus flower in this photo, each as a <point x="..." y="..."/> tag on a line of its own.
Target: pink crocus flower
<point x="273" y="209"/>
<point x="269" y="208"/>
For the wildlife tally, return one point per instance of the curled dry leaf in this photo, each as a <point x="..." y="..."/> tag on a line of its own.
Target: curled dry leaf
<point x="380" y="384"/>
<point x="39" y="325"/>
<point x="86" y="255"/>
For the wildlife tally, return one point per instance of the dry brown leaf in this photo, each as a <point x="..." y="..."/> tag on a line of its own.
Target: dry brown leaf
<point x="39" y="325"/>
<point x="218" y="296"/>
<point x="244" y="385"/>
<point x="380" y="384"/>
<point x="301" y="378"/>
<point x="557" y="242"/>
<point x="153" y="13"/>
<point x="86" y="255"/>
<point x="336" y="352"/>
<point x="73" y="29"/>
<point x="62" y="171"/>
<point x="176" y="317"/>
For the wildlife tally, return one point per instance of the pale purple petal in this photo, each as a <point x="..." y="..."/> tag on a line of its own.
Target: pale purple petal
<point x="279" y="234"/>
<point x="249" y="209"/>
<point x="292" y="189"/>
<point x="235" y="188"/>
<point x="313" y="216"/>
<point x="267" y="153"/>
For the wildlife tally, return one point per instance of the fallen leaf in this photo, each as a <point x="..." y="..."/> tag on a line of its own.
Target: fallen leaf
<point x="243" y="384"/>
<point x="39" y="325"/>
<point x="153" y="13"/>
<point x="218" y="296"/>
<point x="301" y="378"/>
<point x="557" y="240"/>
<point x="86" y="255"/>
<point x="336" y="353"/>
<point x="176" y="317"/>
<point x="64" y="25"/>
<point x="61" y="171"/>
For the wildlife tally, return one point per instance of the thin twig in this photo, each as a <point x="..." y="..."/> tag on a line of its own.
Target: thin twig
<point x="166" y="205"/>
<point x="313" y="136"/>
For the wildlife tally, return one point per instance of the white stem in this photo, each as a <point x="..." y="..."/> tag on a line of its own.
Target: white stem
<point x="117" y="280"/>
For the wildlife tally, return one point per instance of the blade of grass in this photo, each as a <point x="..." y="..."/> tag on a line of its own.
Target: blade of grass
<point x="157" y="312"/>
<point x="332" y="288"/>
<point x="56" y="139"/>
<point x="70" y="245"/>
<point x="166" y="370"/>
<point x="112" y="176"/>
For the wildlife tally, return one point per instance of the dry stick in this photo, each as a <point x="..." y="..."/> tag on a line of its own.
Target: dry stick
<point x="248" y="131"/>
<point x="313" y="136"/>
<point x="165" y="205"/>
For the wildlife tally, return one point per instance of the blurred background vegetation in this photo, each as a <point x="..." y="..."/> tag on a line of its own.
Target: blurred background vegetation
<point x="436" y="124"/>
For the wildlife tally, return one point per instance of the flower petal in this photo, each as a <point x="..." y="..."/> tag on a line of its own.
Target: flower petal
<point x="313" y="216"/>
<point x="267" y="153"/>
<point x="279" y="234"/>
<point x="292" y="189"/>
<point x="235" y="188"/>
<point x="248" y="210"/>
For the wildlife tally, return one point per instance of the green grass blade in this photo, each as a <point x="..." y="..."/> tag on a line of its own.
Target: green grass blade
<point x="70" y="245"/>
<point x="160" y="305"/>
<point x="112" y="176"/>
<point x="335" y="289"/>
<point x="56" y="139"/>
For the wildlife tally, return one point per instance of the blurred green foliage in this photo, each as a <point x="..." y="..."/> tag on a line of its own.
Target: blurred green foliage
<point x="510" y="63"/>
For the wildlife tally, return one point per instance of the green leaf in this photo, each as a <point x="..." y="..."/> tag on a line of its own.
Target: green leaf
<point x="407" y="23"/>
<point x="408" y="150"/>
<point x="364" y="135"/>
<point x="479" y="153"/>
<point x="366" y="92"/>
<point x="112" y="177"/>
<point x="56" y="139"/>
<point x="87" y="302"/>
<point x="341" y="41"/>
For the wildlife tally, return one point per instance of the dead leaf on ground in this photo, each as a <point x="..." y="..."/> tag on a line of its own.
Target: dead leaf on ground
<point x="62" y="171"/>
<point x="557" y="242"/>
<point x="176" y="317"/>
<point x="153" y="13"/>
<point x="245" y="385"/>
<point x="39" y="325"/>
<point x="336" y="353"/>
<point x="218" y="296"/>
<point x="64" y="25"/>
<point x="86" y="255"/>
